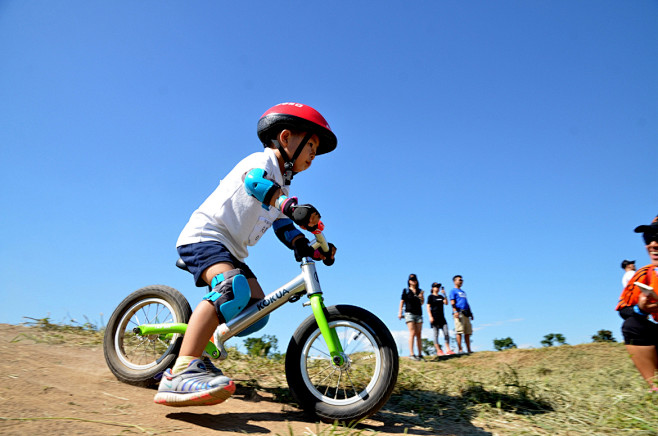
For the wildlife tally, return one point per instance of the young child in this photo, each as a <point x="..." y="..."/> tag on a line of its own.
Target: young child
<point x="250" y="199"/>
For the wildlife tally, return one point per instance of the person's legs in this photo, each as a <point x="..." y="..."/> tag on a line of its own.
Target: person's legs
<point x="200" y="328"/>
<point x="446" y="337"/>
<point x="645" y="359"/>
<point x="458" y="337"/>
<point x="418" y="327"/>
<point x="203" y="321"/>
<point x="459" y="330"/>
<point x="256" y="290"/>
<point x="640" y="336"/>
<point x="205" y="261"/>
<point x="435" y="330"/>
<point x="467" y="331"/>
<point x="467" y="339"/>
<point x="193" y="381"/>
<point x="412" y="332"/>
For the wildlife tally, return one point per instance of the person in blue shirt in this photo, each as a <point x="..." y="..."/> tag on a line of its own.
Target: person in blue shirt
<point x="461" y="310"/>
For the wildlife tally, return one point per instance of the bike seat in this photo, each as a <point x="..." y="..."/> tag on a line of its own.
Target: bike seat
<point x="180" y="264"/>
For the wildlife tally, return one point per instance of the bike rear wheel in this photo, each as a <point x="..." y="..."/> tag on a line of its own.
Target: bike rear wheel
<point x="361" y="385"/>
<point x="141" y="360"/>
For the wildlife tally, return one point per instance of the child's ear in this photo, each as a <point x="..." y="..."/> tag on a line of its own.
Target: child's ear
<point x="284" y="137"/>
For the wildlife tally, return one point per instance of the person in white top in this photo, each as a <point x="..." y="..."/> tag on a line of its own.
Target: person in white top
<point x="629" y="271"/>
<point x="214" y="243"/>
<point x="230" y="214"/>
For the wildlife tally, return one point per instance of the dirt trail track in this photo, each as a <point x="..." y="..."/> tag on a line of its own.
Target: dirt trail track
<point x="65" y="390"/>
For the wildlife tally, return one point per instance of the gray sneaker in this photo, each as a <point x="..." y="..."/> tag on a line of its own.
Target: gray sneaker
<point x="193" y="387"/>
<point x="210" y="368"/>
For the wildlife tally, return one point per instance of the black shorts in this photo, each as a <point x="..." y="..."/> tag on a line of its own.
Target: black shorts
<point x="639" y="330"/>
<point x="439" y="322"/>
<point x="198" y="257"/>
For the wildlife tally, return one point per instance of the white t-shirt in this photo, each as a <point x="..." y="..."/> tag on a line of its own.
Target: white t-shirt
<point x="230" y="215"/>
<point x="628" y="275"/>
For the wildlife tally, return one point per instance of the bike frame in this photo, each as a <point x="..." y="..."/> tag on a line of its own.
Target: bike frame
<point x="305" y="283"/>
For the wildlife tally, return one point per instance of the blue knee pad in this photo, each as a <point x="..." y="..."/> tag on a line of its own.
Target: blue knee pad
<point x="230" y="294"/>
<point x="255" y="326"/>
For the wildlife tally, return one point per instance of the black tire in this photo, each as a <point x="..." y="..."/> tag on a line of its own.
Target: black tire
<point x="362" y="385"/>
<point x="141" y="360"/>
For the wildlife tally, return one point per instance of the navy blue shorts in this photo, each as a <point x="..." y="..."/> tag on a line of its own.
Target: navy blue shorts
<point x="200" y="256"/>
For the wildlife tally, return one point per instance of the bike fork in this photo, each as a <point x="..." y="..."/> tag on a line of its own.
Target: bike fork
<point x="314" y="292"/>
<point x="328" y="333"/>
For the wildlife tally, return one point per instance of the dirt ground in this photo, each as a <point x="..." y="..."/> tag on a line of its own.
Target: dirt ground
<point x="67" y="389"/>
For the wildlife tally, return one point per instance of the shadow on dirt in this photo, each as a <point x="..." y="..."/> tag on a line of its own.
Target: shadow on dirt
<point x="235" y="422"/>
<point x="427" y="413"/>
<point x="414" y="412"/>
<point x="437" y="415"/>
<point x="247" y="422"/>
<point x="447" y="414"/>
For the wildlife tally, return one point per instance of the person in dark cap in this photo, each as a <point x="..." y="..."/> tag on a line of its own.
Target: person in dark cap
<point x="629" y="270"/>
<point x="412" y="303"/>
<point x="435" y="302"/>
<point x="638" y="306"/>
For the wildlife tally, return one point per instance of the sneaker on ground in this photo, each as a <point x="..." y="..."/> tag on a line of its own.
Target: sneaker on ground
<point x="193" y="387"/>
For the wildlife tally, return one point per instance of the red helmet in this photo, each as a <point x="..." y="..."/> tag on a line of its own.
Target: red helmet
<point x="298" y="117"/>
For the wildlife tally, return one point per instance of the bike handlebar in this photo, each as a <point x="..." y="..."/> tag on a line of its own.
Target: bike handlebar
<point x="320" y="240"/>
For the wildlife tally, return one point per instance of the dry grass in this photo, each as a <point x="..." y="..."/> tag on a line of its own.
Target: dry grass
<point x="46" y="331"/>
<point x="588" y="389"/>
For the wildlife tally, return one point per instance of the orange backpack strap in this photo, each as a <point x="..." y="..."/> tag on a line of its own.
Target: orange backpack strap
<point x="653" y="278"/>
<point x="653" y="282"/>
<point x="631" y="292"/>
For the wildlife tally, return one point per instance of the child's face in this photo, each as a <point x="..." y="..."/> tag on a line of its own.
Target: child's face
<point x="307" y="155"/>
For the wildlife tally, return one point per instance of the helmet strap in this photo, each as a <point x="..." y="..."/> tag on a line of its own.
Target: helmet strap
<point x="288" y="174"/>
<point x="301" y="147"/>
<point x="287" y="165"/>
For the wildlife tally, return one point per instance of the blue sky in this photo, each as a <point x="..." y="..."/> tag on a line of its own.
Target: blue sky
<point x="509" y="142"/>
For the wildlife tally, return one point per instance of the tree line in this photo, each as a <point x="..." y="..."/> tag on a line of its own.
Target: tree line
<point x="552" y="339"/>
<point x="266" y="346"/>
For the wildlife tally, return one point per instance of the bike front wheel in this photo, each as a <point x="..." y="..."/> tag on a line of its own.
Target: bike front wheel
<point x="141" y="360"/>
<point x="358" y="387"/>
